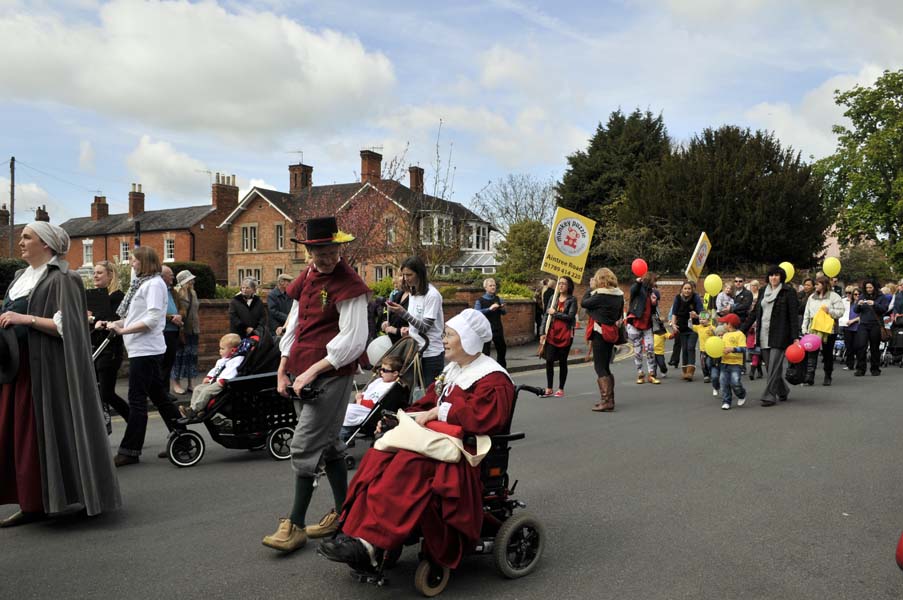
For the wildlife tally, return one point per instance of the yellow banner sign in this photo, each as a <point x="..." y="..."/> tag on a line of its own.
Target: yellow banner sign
<point x="568" y="245"/>
<point x="697" y="261"/>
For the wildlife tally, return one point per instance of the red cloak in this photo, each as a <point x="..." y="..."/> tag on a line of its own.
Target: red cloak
<point x="393" y="493"/>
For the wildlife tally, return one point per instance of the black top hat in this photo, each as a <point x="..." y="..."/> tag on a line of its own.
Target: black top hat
<point x="324" y="231"/>
<point x="9" y="355"/>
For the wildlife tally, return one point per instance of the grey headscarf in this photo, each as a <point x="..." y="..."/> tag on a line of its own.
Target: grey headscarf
<point x="53" y="236"/>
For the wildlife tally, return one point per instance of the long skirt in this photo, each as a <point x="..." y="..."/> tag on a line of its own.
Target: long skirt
<point x="186" y="363"/>
<point x="20" y="464"/>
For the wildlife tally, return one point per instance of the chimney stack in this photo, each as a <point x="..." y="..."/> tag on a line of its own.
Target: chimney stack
<point x="416" y="179"/>
<point x="99" y="208"/>
<point x="300" y="178"/>
<point x="136" y="201"/>
<point x="40" y="214"/>
<point x="4" y="215"/>
<point x="224" y="193"/>
<point x="371" y="166"/>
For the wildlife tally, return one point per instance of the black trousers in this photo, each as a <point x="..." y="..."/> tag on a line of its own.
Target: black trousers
<point x="849" y="344"/>
<point x="868" y="338"/>
<point x="106" y="383"/>
<point x="827" y="358"/>
<point x="560" y="355"/>
<point x="145" y="382"/>
<point x="498" y="338"/>
<point x="602" y="355"/>
<point x="169" y="358"/>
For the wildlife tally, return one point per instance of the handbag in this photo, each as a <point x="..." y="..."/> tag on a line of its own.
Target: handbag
<point x="418" y="391"/>
<point x="410" y="436"/>
<point x="885" y="333"/>
<point x="822" y="323"/>
<point x="622" y="334"/>
<point x="795" y="373"/>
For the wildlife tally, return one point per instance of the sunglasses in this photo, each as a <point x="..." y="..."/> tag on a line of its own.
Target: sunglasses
<point x="383" y="370"/>
<point x="738" y="281"/>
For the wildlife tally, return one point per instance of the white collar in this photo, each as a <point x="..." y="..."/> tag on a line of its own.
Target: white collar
<point x="464" y="377"/>
<point x="28" y="280"/>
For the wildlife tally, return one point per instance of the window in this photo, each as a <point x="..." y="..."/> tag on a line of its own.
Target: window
<point x="378" y="273"/>
<point x="426" y="229"/>
<point x="280" y="236"/>
<point x="88" y="253"/>
<point x="390" y="232"/>
<point x="169" y="250"/>
<point x="279" y="271"/>
<point x="249" y="238"/>
<point x="123" y="252"/>
<point x="242" y="273"/>
<point x="467" y="240"/>
<point x="390" y="272"/>
<point x="444" y="229"/>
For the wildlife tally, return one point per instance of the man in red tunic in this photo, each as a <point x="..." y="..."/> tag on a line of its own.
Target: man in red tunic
<point x="325" y="334"/>
<point x="392" y="493"/>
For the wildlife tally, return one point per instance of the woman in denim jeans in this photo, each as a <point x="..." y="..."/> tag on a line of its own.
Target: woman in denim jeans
<point x="684" y="314"/>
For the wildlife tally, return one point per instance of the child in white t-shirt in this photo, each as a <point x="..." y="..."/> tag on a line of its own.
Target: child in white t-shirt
<point x="226" y="368"/>
<point x="357" y="412"/>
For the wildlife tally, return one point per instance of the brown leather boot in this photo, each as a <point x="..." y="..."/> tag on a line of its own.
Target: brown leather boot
<point x="606" y="391"/>
<point x="610" y="404"/>
<point x="602" y="382"/>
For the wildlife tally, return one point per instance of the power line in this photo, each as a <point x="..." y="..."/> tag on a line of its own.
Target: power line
<point x="60" y="179"/>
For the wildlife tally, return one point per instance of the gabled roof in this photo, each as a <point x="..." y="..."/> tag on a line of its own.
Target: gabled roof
<point x="151" y="220"/>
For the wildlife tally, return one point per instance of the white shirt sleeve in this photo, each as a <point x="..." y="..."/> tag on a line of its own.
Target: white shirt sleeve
<point x="351" y="341"/>
<point x="291" y="324"/>
<point x="156" y="304"/>
<point x="444" y="407"/>
<point x="58" y="321"/>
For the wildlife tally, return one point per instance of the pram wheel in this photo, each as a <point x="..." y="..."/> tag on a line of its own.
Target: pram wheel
<point x="350" y="462"/>
<point x="185" y="448"/>
<point x="279" y="443"/>
<point x="519" y="545"/>
<point x="430" y="579"/>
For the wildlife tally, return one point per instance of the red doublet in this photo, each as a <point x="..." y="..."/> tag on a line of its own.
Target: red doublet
<point x="318" y="318"/>
<point x="393" y="493"/>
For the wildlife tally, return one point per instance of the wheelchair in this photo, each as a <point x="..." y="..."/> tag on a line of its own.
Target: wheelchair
<point x="516" y="540"/>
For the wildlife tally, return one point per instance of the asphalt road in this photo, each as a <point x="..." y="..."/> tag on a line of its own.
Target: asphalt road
<point x="668" y="497"/>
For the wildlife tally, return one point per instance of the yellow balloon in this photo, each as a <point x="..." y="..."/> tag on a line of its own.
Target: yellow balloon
<point x="788" y="268"/>
<point x="831" y="267"/>
<point x="713" y="285"/>
<point x="714" y="347"/>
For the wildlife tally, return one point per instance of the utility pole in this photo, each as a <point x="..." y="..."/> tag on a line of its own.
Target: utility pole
<point x="12" y="206"/>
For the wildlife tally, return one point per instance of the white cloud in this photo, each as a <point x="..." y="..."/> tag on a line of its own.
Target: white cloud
<point x="30" y="196"/>
<point x="86" y="156"/>
<point x="806" y="125"/>
<point x="165" y="172"/>
<point x="193" y="67"/>
<point x="503" y="66"/>
<point x="244" y="186"/>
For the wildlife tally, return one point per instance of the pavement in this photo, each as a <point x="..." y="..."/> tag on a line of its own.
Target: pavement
<point x="669" y="497"/>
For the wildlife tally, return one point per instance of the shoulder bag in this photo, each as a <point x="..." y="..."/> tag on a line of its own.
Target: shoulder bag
<point x="410" y="436"/>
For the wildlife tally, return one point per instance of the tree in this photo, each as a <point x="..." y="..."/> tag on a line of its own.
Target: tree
<point x="521" y="252"/>
<point x="618" y="152"/>
<point x="516" y="198"/>
<point x="757" y="202"/>
<point x="863" y="179"/>
<point x="864" y="260"/>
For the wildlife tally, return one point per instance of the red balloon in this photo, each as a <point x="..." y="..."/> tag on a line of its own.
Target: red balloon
<point x="639" y="267"/>
<point x="795" y="353"/>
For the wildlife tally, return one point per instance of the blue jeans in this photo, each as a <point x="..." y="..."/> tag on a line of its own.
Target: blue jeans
<point x="732" y="381"/>
<point x="688" y="347"/>
<point x="432" y="367"/>
<point x="713" y="365"/>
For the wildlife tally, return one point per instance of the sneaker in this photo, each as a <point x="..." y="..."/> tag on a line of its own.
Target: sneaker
<point x="716" y="393"/>
<point x="640" y="379"/>
<point x="846" y="368"/>
<point x="741" y="400"/>
<point x="707" y="379"/>
<point x="328" y="525"/>
<point x="559" y="394"/>
<point x="652" y="379"/>
<point x="546" y="394"/>
<point x="725" y="406"/>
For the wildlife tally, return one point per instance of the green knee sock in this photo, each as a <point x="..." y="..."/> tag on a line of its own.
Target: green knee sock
<point x="337" y="473"/>
<point x="304" y="490"/>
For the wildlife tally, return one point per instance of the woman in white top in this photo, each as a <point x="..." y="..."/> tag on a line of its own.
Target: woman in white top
<point x="823" y="299"/>
<point x="425" y="317"/>
<point x="143" y="312"/>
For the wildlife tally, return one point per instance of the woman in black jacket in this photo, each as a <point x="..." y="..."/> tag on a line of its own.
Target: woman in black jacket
<point x="604" y="302"/>
<point x="246" y="310"/>
<point x="107" y="364"/>
<point x="871" y="307"/>
<point x="557" y="333"/>
<point x="684" y="314"/>
<point x="776" y="317"/>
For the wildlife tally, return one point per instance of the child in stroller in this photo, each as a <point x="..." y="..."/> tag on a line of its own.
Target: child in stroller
<point x="226" y="368"/>
<point x="357" y="412"/>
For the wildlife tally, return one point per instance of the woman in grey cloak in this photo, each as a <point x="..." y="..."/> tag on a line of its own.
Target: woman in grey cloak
<point x="54" y="453"/>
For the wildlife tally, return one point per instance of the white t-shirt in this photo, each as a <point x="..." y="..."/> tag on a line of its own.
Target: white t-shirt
<point x="377" y="389"/>
<point x="230" y="371"/>
<point x="148" y="306"/>
<point x="428" y="306"/>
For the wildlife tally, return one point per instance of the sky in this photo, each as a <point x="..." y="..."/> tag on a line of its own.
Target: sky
<point x="97" y="95"/>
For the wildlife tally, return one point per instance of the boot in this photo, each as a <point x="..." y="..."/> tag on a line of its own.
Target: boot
<point x="811" y="362"/>
<point x="689" y="371"/>
<point x="610" y="404"/>
<point x="827" y="380"/>
<point x="602" y="383"/>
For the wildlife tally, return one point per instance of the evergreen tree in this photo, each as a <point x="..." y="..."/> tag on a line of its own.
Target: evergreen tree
<point x="521" y="252"/>
<point x="758" y="202"/>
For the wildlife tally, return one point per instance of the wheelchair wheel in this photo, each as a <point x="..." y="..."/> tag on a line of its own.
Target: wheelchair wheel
<point x="430" y="579"/>
<point x="185" y="448"/>
<point x="279" y="443"/>
<point x="519" y="545"/>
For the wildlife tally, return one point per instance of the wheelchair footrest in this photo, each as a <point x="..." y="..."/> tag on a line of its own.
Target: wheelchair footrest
<point x="377" y="579"/>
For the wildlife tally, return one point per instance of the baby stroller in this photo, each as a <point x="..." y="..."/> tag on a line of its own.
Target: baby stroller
<point x="249" y="414"/>
<point x="398" y="396"/>
<point x="893" y="348"/>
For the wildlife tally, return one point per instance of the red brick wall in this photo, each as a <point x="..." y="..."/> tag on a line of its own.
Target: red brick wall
<point x="267" y="258"/>
<point x="107" y="247"/>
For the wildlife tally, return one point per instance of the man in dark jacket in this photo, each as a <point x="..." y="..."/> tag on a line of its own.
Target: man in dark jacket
<point x="493" y="308"/>
<point x="278" y="305"/>
<point x="743" y="299"/>
<point x="776" y="317"/>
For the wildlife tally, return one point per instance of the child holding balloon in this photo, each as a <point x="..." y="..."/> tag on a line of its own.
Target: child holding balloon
<point x="732" y="362"/>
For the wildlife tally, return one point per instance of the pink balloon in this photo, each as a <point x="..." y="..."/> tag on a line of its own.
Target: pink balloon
<point x="810" y="342"/>
<point x="639" y="267"/>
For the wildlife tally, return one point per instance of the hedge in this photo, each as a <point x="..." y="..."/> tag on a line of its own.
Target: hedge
<point x="8" y="268"/>
<point x="205" y="281"/>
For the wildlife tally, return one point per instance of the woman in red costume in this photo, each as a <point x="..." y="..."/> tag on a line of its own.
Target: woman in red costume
<point x="394" y="493"/>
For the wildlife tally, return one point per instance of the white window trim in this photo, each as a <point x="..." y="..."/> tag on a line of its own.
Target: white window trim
<point x="165" y="242"/>
<point x="87" y="243"/>
<point x="280" y="236"/>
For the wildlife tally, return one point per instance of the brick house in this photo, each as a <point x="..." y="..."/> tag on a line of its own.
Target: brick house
<point x="390" y="220"/>
<point x="177" y="234"/>
<point x="40" y="214"/>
